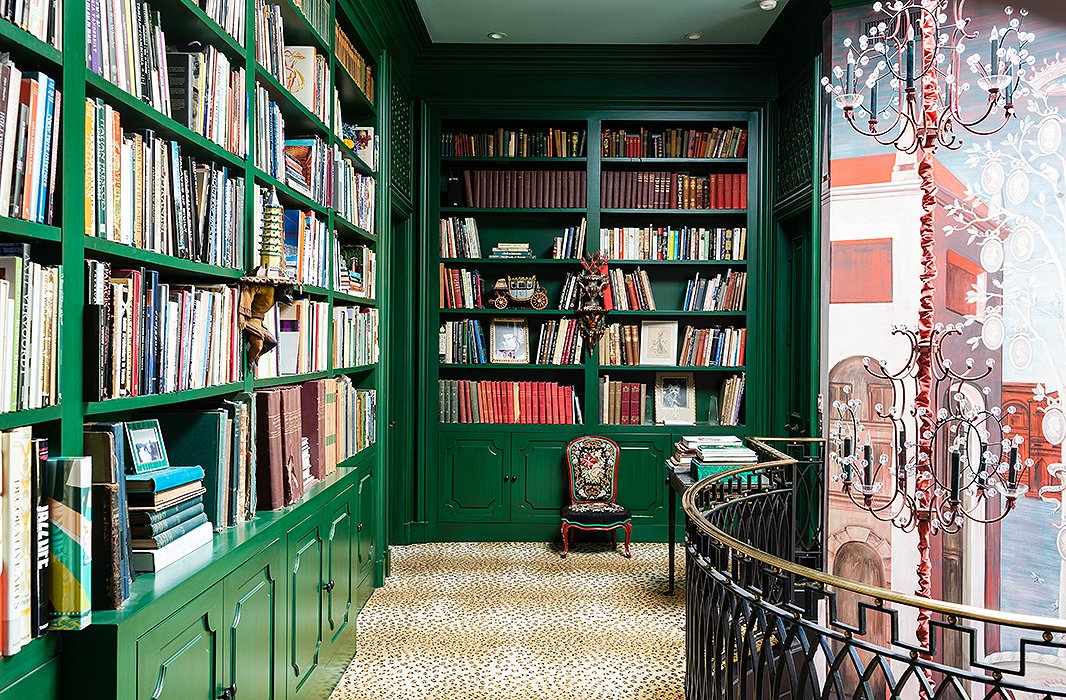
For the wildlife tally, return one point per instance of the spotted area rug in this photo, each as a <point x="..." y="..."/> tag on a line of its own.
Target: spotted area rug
<point x="514" y="621"/>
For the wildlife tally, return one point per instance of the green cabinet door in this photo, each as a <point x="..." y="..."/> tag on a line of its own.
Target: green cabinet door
<point x="366" y="531"/>
<point x="641" y="482"/>
<point x="474" y="478"/>
<point x="540" y="489"/>
<point x="181" y="657"/>
<point x="339" y="568"/>
<point x="304" y="606"/>
<point x="254" y="626"/>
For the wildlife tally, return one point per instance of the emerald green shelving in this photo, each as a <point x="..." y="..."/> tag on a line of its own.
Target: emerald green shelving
<point x="31" y="416"/>
<point x="30" y="230"/>
<point x="133" y="403"/>
<point x="113" y="250"/>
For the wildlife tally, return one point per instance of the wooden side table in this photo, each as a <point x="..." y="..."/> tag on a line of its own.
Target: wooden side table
<point x="678" y="482"/>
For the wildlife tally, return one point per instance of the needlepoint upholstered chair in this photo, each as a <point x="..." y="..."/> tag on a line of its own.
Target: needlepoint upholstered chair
<point x="592" y="462"/>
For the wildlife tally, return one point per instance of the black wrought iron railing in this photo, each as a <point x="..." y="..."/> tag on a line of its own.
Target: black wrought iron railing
<point x="764" y="622"/>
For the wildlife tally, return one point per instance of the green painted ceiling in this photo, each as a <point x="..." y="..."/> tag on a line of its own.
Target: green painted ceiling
<point x="597" y="21"/>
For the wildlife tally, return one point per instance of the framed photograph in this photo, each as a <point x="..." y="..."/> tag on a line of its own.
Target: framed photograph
<point x="675" y="398"/>
<point x="658" y="343"/>
<point x="146" y="446"/>
<point x="509" y="338"/>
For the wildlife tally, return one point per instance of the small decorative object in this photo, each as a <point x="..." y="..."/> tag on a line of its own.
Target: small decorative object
<point x="146" y="445"/>
<point x="675" y="398"/>
<point x="525" y="291"/>
<point x="591" y="308"/>
<point x="658" y="343"/>
<point x="272" y="241"/>
<point x="509" y="338"/>
<point x="268" y="283"/>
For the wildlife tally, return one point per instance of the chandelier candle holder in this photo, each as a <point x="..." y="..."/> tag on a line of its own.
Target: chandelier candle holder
<point x="911" y="65"/>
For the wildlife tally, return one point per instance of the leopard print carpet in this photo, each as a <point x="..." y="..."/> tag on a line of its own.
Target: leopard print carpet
<point x="513" y="621"/>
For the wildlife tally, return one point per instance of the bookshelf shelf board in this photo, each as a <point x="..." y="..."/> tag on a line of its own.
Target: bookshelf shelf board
<point x="490" y="365"/>
<point x="29" y="229"/>
<point x="22" y="43"/>
<point x="515" y="427"/>
<point x="678" y="161"/>
<point x="120" y="251"/>
<point x="133" y="403"/>
<point x="510" y="261"/>
<point x="675" y="312"/>
<point x="311" y="289"/>
<point x="355" y="369"/>
<point x="135" y="113"/>
<point x="511" y="159"/>
<point x="499" y="210"/>
<point x="286" y="192"/>
<point x="298" y="30"/>
<point x="668" y="368"/>
<point x="202" y="22"/>
<point x="360" y="457"/>
<point x="361" y="165"/>
<point x="673" y="212"/>
<point x="290" y="379"/>
<point x="703" y="428"/>
<point x="351" y="94"/>
<point x="638" y="263"/>
<point x="299" y="120"/>
<point x="508" y="312"/>
<point x="345" y="227"/>
<point x="352" y="299"/>
<point x="30" y="416"/>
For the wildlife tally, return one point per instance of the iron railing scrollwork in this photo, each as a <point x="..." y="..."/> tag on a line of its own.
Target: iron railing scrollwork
<point x="760" y="624"/>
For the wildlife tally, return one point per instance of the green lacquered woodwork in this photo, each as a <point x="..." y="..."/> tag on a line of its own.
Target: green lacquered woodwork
<point x="181" y="657"/>
<point x="304" y="606"/>
<point x="367" y="530"/>
<point x="340" y="570"/>
<point x="41" y="682"/>
<point x="254" y="626"/>
<point x="541" y="483"/>
<point x="474" y="478"/>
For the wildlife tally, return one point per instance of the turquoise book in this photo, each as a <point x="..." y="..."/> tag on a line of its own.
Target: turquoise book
<point x="202" y="438"/>
<point x="163" y="479"/>
<point x="70" y="555"/>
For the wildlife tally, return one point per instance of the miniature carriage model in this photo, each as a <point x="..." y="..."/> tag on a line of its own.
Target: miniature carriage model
<point x="520" y="290"/>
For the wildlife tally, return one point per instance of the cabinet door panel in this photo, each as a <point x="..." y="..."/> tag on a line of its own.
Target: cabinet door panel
<point x="641" y="484"/>
<point x="471" y="484"/>
<point x="340" y="574"/>
<point x="254" y="625"/>
<point x="540" y="468"/>
<point x="304" y="615"/>
<point x="367" y="527"/>
<point x="181" y="657"/>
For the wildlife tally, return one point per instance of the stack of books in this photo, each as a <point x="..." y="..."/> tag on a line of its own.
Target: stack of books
<point x="560" y="342"/>
<point x="719" y="142"/>
<point x="459" y="238"/>
<point x="620" y="345"/>
<point x="355" y="336"/>
<point x="667" y="243"/>
<point x="307" y="248"/>
<point x="623" y="403"/>
<point x="512" y="250"/>
<point x="460" y="289"/>
<point x="731" y="398"/>
<point x="357" y="272"/>
<point x="571" y="244"/>
<point x="353" y="63"/>
<point x="712" y="454"/>
<point x="29" y="330"/>
<point x="532" y="189"/>
<point x="207" y="95"/>
<point x="30" y="106"/>
<point x="124" y="44"/>
<point x="307" y="168"/>
<point x="354" y="194"/>
<point x="300" y="328"/>
<point x="269" y="134"/>
<point x="713" y="347"/>
<point x="541" y="403"/>
<point x="228" y="14"/>
<point x="514" y="143"/>
<point x="719" y="293"/>
<point x="167" y="517"/>
<point x="270" y="38"/>
<point x="666" y="190"/>
<point x="631" y="291"/>
<point x="463" y="342"/>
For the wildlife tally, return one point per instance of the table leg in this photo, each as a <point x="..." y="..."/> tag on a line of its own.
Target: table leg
<point x="671" y="517"/>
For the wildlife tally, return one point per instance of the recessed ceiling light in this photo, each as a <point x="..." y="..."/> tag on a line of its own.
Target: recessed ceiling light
<point x="768" y="5"/>
<point x="694" y="36"/>
<point x="499" y="35"/>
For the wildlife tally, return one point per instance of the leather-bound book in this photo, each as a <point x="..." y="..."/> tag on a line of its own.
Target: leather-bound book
<point x="313" y="419"/>
<point x="270" y="481"/>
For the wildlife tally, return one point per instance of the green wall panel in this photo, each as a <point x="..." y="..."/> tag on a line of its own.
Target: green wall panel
<point x="539" y="462"/>
<point x="474" y="482"/>
<point x="254" y="632"/>
<point x="180" y="659"/>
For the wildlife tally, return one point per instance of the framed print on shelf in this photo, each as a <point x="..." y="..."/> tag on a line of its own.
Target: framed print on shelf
<point x="509" y="338"/>
<point x="675" y="398"/>
<point x="146" y="446"/>
<point x="658" y="343"/>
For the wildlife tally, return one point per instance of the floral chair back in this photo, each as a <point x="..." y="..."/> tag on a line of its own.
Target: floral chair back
<point x="593" y="465"/>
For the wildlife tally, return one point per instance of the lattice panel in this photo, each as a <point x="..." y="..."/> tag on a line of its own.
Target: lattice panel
<point x="401" y="149"/>
<point x="795" y="143"/>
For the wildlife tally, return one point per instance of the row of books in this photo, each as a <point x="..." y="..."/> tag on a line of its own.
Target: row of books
<point x="354" y="194"/>
<point x="462" y="342"/>
<point x="540" y="403"/>
<point x="713" y="347"/>
<point x="41" y="18"/>
<point x="512" y="251"/>
<point x="570" y="245"/>
<point x="269" y="33"/>
<point x="667" y="190"/>
<point x="357" y="270"/>
<point x="718" y="293"/>
<point x="459" y="238"/>
<point x="207" y="94"/>
<point x="718" y="142"/>
<point x="300" y="329"/>
<point x="560" y="343"/>
<point x="545" y="142"/>
<point x="630" y="291"/>
<point x="620" y="345"/>
<point x="30" y="107"/>
<point x="461" y="289"/>
<point x="316" y="12"/>
<point x="705" y="455"/>
<point x="41" y="495"/>
<point x="730" y="400"/>
<point x="353" y="63"/>
<point x="355" y="336"/>
<point x="305" y="74"/>
<point x="141" y="191"/>
<point x="667" y="243"/>
<point x="269" y="135"/>
<point x="308" y="245"/>
<point x="228" y="14"/>
<point x="622" y="403"/>
<point x="126" y="46"/>
<point x="147" y="337"/>
<point x="307" y="168"/>
<point x="534" y="189"/>
<point x="29" y="330"/>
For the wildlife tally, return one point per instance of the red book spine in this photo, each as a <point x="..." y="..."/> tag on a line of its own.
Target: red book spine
<point x="462" y="401"/>
<point x="568" y="402"/>
<point x="744" y="191"/>
<point x="538" y="402"/>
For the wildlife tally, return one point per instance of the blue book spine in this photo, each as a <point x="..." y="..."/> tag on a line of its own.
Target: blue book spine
<point x="46" y="149"/>
<point x="151" y="333"/>
<point x="168" y="477"/>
